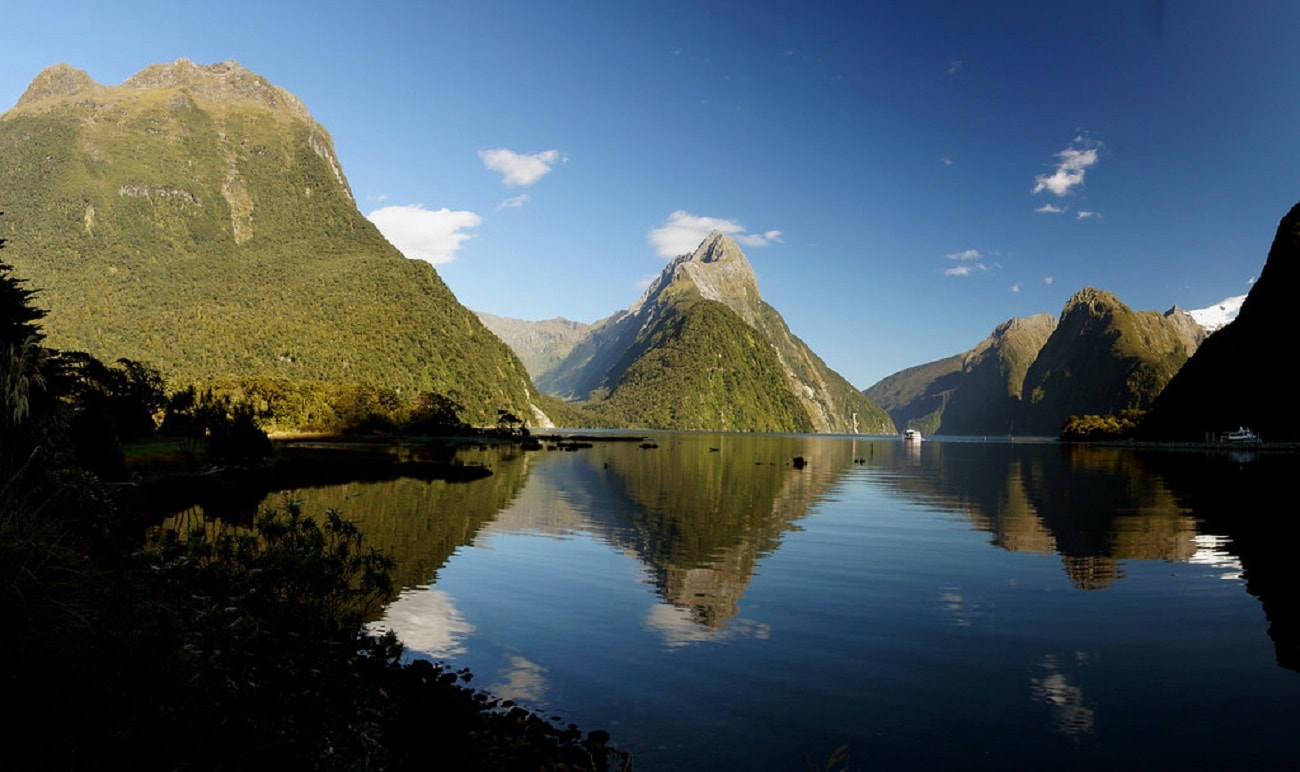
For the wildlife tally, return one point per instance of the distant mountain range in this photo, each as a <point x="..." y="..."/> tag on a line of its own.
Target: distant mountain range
<point x="197" y="218"/>
<point x="1030" y="375"/>
<point x="700" y="349"/>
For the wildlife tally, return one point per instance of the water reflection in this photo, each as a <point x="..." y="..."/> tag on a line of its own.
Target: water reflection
<point x="418" y="522"/>
<point x="709" y="589"/>
<point x="1094" y="507"/>
<point x="698" y="511"/>
<point x="1071" y="714"/>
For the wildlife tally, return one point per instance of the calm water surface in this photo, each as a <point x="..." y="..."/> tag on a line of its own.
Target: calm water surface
<point x="954" y="605"/>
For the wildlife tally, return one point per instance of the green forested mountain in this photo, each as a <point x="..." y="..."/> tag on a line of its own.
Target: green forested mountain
<point x="1031" y="374"/>
<point x="197" y="218"/>
<point x="702" y="350"/>
<point x="1102" y="358"/>
<point x="1236" y="377"/>
<point x="977" y="392"/>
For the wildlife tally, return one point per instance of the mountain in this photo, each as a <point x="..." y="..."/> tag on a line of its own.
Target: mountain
<point x="702" y="350"/>
<point x="1099" y="357"/>
<point x="1238" y="375"/>
<point x="1102" y="358"/>
<point x="977" y="392"/>
<point x="1219" y="314"/>
<point x="197" y="218"/>
<point x="539" y="345"/>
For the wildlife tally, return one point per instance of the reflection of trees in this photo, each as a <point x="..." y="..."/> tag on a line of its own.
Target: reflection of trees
<point x="1093" y="506"/>
<point x="419" y="523"/>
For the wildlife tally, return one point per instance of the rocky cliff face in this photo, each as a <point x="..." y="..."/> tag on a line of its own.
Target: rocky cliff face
<point x="783" y="367"/>
<point x="1236" y="377"/>
<point x="197" y="218"/>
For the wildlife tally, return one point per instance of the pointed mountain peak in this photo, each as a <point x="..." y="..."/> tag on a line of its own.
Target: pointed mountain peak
<point x="1094" y="302"/>
<point x="720" y="271"/>
<point x="717" y="247"/>
<point x="56" y="82"/>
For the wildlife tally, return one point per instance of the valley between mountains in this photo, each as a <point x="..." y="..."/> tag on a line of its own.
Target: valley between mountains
<point x="197" y="219"/>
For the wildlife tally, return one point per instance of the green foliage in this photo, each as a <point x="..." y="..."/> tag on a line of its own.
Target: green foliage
<point x="1093" y="428"/>
<point x="216" y="239"/>
<point x="1102" y="358"/>
<point x="229" y="429"/>
<point x="702" y="367"/>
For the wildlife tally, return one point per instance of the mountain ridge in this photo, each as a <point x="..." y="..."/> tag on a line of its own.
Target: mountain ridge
<point x="196" y="218"/>
<point x="713" y="277"/>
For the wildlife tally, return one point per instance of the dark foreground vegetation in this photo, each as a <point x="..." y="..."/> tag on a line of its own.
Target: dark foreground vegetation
<point x="243" y="649"/>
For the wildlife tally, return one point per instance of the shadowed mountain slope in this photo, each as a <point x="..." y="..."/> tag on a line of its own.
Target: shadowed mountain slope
<point x="977" y="392"/>
<point x="1235" y="377"/>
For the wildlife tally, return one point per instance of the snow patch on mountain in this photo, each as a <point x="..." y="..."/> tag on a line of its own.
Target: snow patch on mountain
<point x="1219" y="314"/>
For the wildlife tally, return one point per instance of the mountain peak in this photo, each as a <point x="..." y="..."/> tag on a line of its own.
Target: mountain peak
<point x="57" y="81"/>
<point x="1094" y="299"/>
<point x="225" y="83"/>
<point x="717" y="247"/>
<point x="720" y="271"/>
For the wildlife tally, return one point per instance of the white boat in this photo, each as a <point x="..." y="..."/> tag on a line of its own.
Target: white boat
<point x="912" y="435"/>
<point x="1242" y="434"/>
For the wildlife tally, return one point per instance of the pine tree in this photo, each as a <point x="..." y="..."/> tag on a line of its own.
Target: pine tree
<point x="18" y="316"/>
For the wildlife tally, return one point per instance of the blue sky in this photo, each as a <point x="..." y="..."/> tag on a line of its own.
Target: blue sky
<point x="903" y="176"/>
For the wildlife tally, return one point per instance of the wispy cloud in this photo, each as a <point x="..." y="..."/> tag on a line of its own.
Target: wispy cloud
<point x="423" y="234"/>
<point x="945" y="160"/>
<point x="971" y="260"/>
<point x="514" y="202"/>
<point x="519" y="169"/>
<point x="683" y="232"/>
<point x="1073" y="164"/>
<point x="1049" y="209"/>
<point x="1015" y="287"/>
<point x="954" y="67"/>
<point x="1048" y="280"/>
<point x="1084" y="214"/>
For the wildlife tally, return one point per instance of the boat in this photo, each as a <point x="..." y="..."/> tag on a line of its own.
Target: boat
<point x="1242" y="434"/>
<point x="911" y="435"/>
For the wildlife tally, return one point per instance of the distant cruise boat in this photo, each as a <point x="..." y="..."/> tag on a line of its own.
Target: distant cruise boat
<point x="912" y="435"/>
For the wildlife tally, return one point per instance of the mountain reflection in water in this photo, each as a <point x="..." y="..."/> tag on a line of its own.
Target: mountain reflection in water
<point x="713" y="605"/>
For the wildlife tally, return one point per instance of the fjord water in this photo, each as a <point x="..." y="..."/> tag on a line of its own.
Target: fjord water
<point x="953" y="604"/>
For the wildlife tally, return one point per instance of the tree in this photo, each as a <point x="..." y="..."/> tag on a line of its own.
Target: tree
<point x="18" y="316"/>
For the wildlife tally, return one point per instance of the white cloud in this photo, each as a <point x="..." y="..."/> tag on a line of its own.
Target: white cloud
<point x="954" y="67"/>
<point x="683" y="232"/>
<point x="945" y="160"/>
<point x="1048" y="280"/>
<point x="971" y="261"/>
<point x="1015" y="287"/>
<point x="514" y="202"/>
<point x="424" y="234"/>
<point x="520" y="169"/>
<point x="1084" y="214"/>
<point x="1049" y="209"/>
<point x="1074" y="163"/>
